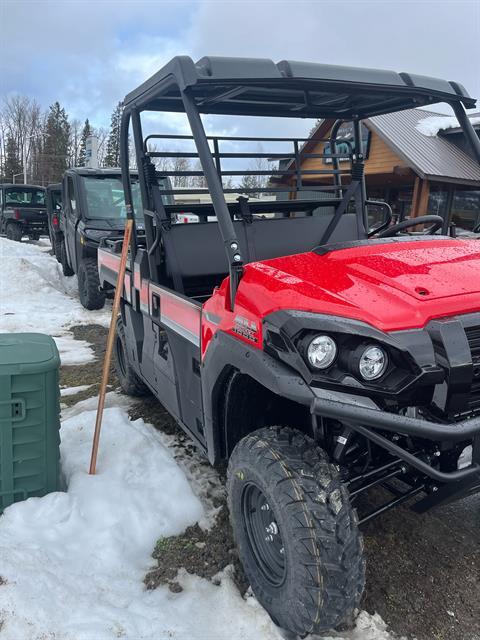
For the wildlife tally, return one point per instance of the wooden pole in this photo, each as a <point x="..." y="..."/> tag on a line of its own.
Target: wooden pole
<point x="110" y="340"/>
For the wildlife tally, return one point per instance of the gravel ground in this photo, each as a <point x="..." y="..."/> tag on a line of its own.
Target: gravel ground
<point x="423" y="573"/>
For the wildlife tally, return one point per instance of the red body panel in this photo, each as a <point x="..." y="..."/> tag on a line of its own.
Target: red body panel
<point x="391" y="286"/>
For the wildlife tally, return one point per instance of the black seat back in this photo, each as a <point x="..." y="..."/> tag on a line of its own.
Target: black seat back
<point x="201" y="253"/>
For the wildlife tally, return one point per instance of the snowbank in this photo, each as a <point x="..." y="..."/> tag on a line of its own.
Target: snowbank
<point x="35" y="296"/>
<point x="432" y="125"/>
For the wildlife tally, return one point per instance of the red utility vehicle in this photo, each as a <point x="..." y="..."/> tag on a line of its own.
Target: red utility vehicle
<point x="320" y="357"/>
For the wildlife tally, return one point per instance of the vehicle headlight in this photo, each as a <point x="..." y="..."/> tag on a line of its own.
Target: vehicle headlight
<point x="95" y="234"/>
<point x="321" y="352"/>
<point x="373" y="363"/>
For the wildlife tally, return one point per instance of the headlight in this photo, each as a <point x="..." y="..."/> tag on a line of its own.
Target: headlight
<point x="321" y="352"/>
<point x="95" y="234"/>
<point x="373" y="363"/>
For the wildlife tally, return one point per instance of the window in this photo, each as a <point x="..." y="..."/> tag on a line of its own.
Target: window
<point x="25" y="197"/>
<point x="105" y="198"/>
<point x="71" y="195"/>
<point x="466" y="209"/>
<point x="437" y="201"/>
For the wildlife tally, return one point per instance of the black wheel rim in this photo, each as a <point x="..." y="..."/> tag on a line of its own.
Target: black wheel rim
<point x="264" y="535"/>
<point x="120" y="357"/>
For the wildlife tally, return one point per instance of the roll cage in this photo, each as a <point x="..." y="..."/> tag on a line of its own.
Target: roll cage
<point x="242" y="86"/>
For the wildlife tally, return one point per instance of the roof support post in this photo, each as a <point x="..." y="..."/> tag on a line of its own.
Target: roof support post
<point x="145" y="190"/>
<point x="127" y="185"/>
<point x="448" y="211"/>
<point x="357" y="132"/>
<point x="337" y="178"/>
<point x="423" y="198"/>
<point x="420" y="199"/>
<point x="468" y="130"/>
<point x="214" y="183"/>
<point x="416" y="191"/>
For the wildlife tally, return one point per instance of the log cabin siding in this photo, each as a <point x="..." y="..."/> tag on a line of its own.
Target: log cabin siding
<point x="381" y="159"/>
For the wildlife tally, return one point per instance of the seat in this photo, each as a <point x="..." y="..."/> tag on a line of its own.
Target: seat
<point x="201" y="256"/>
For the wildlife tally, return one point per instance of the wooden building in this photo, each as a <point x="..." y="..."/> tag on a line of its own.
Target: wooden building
<point x="416" y="161"/>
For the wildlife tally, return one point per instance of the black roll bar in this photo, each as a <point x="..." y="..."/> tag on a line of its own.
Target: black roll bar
<point x="467" y="128"/>
<point x="230" y="240"/>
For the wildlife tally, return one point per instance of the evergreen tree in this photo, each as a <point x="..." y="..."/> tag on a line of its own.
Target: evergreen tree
<point x="87" y="131"/>
<point x="317" y="123"/>
<point x="112" y="156"/>
<point x="55" y="152"/>
<point x="12" y="163"/>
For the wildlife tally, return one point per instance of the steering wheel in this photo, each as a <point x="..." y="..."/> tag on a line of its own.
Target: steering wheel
<point x="436" y="223"/>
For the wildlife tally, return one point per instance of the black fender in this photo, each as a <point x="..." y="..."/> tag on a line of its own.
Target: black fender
<point x="226" y="354"/>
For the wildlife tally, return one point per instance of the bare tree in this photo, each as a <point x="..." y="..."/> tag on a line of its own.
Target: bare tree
<point x="21" y="124"/>
<point x="102" y="135"/>
<point x="75" y="139"/>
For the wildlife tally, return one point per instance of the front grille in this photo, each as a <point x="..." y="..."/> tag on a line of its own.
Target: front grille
<point x="473" y="337"/>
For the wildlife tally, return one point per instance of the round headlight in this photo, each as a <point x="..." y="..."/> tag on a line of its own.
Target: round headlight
<point x="321" y="352"/>
<point x="373" y="363"/>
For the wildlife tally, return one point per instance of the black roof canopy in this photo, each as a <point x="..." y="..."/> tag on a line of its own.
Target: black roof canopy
<point x="258" y="86"/>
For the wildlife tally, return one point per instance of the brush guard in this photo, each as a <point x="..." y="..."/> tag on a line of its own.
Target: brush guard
<point x="452" y="485"/>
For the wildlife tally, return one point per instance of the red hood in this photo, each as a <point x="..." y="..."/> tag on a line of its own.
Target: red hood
<point x="393" y="286"/>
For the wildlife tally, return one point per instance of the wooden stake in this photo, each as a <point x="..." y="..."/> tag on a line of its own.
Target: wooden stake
<point x="110" y="340"/>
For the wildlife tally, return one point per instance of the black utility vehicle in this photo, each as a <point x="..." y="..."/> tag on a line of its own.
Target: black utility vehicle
<point x="22" y="211"/>
<point x="93" y="208"/>
<point x="320" y="357"/>
<point x="54" y="213"/>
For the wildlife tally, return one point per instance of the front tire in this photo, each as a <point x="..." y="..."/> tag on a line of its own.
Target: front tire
<point x="14" y="231"/>
<point x="89" y="285"/>
<point x="66" y="268"/>
<point x="129" y="380"/>
<point x="296" y="532"/>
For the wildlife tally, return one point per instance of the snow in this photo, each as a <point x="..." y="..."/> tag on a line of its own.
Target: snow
<point x="432" y="125"/>
<point x="72" y="563"/>
<point x="35" y="296"/>
<point x="72" y="391"/>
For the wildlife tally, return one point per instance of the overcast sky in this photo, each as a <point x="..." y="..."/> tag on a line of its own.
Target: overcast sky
<point x="89" y="54"/>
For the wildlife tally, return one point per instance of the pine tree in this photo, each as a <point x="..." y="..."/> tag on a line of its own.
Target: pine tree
<point x="112" y="156"/>
<point x="12" y="164"/>
<point x="53" y="155"/>
<point x="86" y="133"/>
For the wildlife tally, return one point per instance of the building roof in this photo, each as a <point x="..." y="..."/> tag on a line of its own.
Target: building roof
<point x="259" y="86"/>
<point x="433" y="157"/>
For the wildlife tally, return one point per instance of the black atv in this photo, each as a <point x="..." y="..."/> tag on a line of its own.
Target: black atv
<point x="93" y="209"/>
<point x="22" y="211"/>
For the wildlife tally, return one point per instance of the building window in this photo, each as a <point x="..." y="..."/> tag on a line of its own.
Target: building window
<point x="466" y="209"/>
<point x="437" y="201"/>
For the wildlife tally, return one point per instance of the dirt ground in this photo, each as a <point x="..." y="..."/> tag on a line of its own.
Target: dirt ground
<point x="423" y="571"/>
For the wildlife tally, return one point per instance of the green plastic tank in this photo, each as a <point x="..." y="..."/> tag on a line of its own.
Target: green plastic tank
<point x="29" y="416"/>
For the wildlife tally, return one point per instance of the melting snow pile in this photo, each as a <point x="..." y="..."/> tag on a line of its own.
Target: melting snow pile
<point x="35" y="296"/>
<point x="73" y="563"/>
<point x="432" y="125"/>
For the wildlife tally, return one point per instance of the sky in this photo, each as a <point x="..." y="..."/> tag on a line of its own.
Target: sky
<point x="88" y="54"/>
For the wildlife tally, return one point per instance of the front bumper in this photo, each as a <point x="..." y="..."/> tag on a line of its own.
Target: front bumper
<point x="368" y="422"/>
